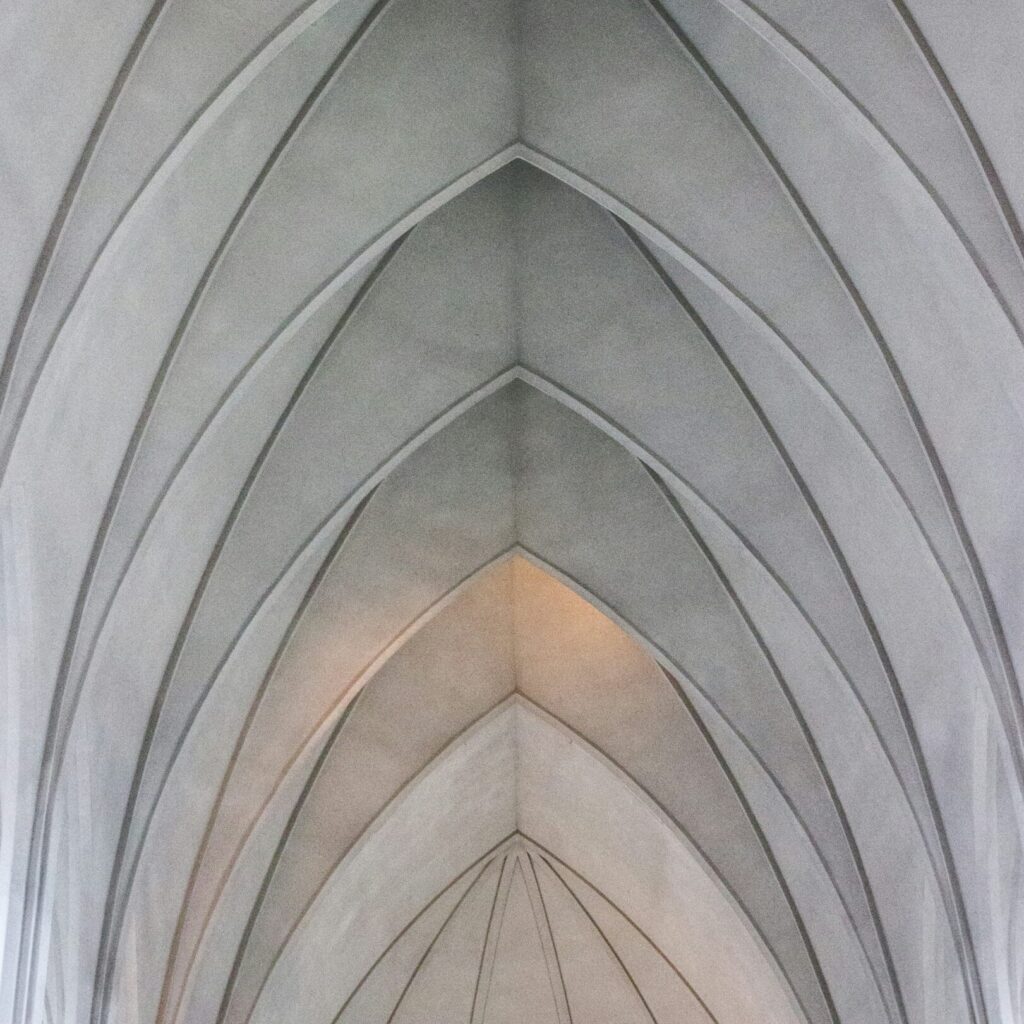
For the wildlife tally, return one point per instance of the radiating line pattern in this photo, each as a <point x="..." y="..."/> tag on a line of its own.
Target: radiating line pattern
<point x="512" y="507"/>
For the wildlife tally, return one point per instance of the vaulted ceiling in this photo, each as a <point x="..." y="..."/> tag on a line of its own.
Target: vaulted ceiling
<point x="512" y="512"/>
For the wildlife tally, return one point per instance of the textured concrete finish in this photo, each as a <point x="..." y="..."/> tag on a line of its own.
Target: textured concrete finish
<point x="511" y="512"/>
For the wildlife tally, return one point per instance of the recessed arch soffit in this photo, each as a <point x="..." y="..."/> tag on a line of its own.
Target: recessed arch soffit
<point x="636" y="322"/>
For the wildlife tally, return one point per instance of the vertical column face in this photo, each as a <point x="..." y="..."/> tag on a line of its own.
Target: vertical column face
<point x="511" y="509"/>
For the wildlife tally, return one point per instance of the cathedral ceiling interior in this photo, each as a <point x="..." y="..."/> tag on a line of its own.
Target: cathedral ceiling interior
<point x="511" y="512"/>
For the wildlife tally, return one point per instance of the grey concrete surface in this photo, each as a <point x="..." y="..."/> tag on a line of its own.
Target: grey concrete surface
<point x="511" y="510"/>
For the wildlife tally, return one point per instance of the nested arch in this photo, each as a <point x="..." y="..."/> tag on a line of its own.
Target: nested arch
<point x="534" y="735"/>
<point x="431" y="472"/>
<point x="534" y="377"/>
<point x="723" y="311"/>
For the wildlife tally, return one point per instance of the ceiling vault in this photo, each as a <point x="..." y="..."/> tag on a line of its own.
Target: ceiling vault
<point x="511" y="510"/>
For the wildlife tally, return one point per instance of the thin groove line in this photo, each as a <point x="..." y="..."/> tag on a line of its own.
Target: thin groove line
<point x="147" y="182"/>
<point x="433" y="942"/>
<point x="902" y="156"/>
<point x="275" y="859"/>
<point x="68" y="199"/>
<point x="819" y="518"/>
<point x="311" y="101"/>
<point x="550" y="933"/>
<point x="805" y="730"/>
<point x="486" y="939"/>
<point x="662" y="658"/>
<point x="548" y="856"/>
<point x="311" y="590"/>
<point x="721" y="880"/>
<point x="50" y="1016"/>
<point x="600" y="931"/>
<point x="618" y="433"/>
<point x="967" y="126"/>
<point x="492" y="853"/>
<point x="1014" y="727"/>
<point x="964" y="940"/>
<point x="489" y="953"/>
<point x="23" y="991"/>
<point x="359" y="679"/>
<point x="517" y="869"/>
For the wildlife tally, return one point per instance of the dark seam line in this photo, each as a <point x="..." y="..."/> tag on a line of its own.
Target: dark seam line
<point x="388" y="804"/>
<point x="499" y="889"/>
<point x="233" y="516"/>
<point x="965" y="946"/>
<point x="981" y="154"/>
<point x="394" y="942"/>
<point x="548" y="856"/>
<point x="551" y="937"/>
<point x="67" y="201"/>
<point x="5" y="451"/>
<point x="1015" y="725"/>
<point x="600" y="931"/>
<point x="433" y="942"/>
